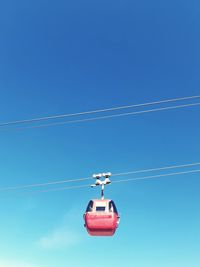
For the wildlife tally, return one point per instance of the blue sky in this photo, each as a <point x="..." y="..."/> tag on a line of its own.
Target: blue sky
<point x="71" y="56"/>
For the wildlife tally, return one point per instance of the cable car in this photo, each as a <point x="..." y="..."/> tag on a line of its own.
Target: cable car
<point x="101" y="216"/>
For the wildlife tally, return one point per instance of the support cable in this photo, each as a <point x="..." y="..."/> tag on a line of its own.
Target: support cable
<point x="52" y="183"/>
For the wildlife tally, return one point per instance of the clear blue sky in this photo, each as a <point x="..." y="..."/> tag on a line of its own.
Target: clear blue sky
<point x="69" y="56"/>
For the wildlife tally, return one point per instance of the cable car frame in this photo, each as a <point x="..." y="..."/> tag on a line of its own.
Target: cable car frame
<point x="101" y="216"/>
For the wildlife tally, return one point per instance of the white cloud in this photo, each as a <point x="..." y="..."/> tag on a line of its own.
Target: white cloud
<point x="59" y="238"/>
<point x="64" y="235"/>
<point x="8" y="263"/>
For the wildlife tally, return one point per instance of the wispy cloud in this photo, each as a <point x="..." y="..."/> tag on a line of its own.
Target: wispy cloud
<point x="62" y="236"/>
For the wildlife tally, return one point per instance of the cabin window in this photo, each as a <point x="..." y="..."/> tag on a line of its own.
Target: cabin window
<point x="112" y="207"/>
<point x="100" y="208"/>
<point x="90" y="206"/>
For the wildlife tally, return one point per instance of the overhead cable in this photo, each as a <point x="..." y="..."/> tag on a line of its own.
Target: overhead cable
<point x="50" y="183"/>
<point x="45" y="118"/>
<point x="9" y="188"/>
<point x="122" y="181"/>
<point x="156" y="176"/>
<point x="102" y="117"/>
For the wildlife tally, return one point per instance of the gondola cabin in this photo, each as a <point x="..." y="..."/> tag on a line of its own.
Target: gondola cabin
<point x="101" y="217"/>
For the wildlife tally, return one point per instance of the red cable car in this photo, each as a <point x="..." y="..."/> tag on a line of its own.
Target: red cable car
<point x="101" y="216"/>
